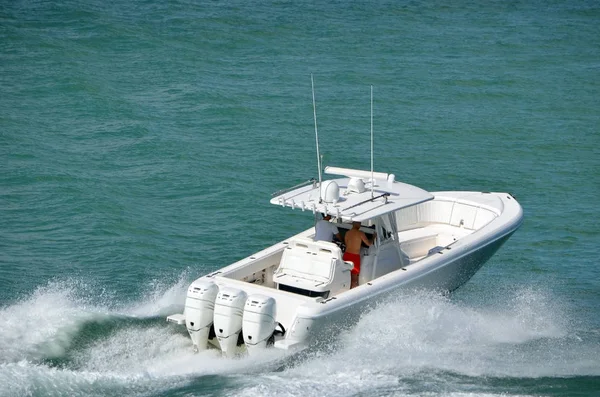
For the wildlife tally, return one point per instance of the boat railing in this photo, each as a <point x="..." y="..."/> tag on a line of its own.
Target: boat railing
<point x="289" y="189"/>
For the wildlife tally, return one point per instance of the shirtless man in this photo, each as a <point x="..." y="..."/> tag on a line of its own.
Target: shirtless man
<point x="353" y="239"/>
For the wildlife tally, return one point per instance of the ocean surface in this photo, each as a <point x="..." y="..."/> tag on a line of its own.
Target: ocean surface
<point x="140" y="142"/>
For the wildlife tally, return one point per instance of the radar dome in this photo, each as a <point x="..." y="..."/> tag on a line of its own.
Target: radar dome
<point x="330" y="192"/>
<point x="356" y="185"/>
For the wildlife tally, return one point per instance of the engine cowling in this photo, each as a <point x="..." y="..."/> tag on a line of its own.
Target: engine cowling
<point x="259" y="321"/>
<point x="229" y="309"/>
<point x="199" y="310"/>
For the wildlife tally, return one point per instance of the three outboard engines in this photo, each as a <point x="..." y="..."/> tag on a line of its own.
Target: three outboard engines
<point x="233" y="317"/>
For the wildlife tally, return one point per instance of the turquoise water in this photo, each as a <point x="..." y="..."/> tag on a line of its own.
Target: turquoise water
<point x="140" y="143"/>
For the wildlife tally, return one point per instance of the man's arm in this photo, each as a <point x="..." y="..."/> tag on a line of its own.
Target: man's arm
<point x="336" y="233"/>
<point x="365" y="240"/>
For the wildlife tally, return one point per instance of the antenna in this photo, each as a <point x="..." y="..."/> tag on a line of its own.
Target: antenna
<point x="312" y="83"/>
<point x="372" y="180"/>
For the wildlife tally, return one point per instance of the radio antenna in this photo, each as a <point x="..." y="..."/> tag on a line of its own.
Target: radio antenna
<point x="312" y="83"/>
<point x="372" y="180"/>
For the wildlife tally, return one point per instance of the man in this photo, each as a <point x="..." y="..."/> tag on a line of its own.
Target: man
<point x="353" y="239"/>
<point x="325" y="230"/>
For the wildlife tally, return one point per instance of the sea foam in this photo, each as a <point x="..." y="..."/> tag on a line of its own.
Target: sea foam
<point x="59" y="340"/>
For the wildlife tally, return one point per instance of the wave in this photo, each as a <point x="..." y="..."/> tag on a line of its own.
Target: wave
<point x="425" y="341"/>
<point x="512" y="337"/>
<point x="46" y="324"/>
<point x="60" y="341"/>
<point x="65" y="340"/>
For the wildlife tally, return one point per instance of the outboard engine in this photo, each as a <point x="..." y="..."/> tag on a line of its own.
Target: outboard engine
<point x="199" y="308"/>
<point x="259" y="322"/>
<point x="229" y="308"/>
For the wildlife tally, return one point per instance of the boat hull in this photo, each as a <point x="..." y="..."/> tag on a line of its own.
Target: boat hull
<point x="320" y="326"/>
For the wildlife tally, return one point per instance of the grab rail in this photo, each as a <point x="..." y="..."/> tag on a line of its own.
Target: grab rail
<point x="289" y="189"/>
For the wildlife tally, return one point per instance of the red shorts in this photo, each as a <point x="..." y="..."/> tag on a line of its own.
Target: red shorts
<point x="354" y="258"/>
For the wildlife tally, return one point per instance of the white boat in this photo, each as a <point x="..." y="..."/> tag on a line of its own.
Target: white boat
<point x="287" y="294"/>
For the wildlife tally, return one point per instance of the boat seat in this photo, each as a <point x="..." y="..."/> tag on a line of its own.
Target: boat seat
<point x="420" y="247"/>
<point x="314" y="266"/>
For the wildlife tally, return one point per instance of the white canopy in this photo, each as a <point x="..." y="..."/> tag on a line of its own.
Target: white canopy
<point x="353" y="198"/>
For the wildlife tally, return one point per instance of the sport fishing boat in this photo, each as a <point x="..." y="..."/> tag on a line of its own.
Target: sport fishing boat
<point x="289" y="293"/>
